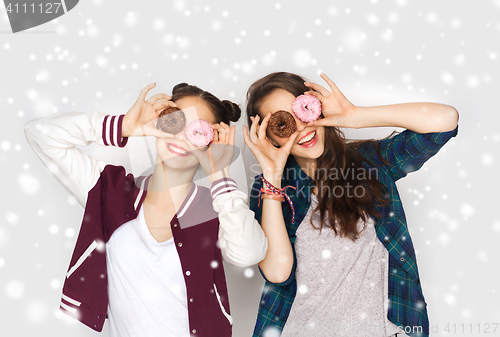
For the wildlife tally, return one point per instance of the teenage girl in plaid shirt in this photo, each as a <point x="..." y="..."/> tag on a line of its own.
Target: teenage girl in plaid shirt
<point x="341" y="261"/>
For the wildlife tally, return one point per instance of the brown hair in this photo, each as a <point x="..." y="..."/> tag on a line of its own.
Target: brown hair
<point x="225" y="111"/>
<point x="338" y="154"/>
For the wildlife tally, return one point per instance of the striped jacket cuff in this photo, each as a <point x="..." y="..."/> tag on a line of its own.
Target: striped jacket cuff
<point x="222" y="186"/>
<point x="69" y="304"/>
<point x="112" y="131"/>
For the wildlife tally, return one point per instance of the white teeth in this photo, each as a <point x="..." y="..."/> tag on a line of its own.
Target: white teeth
<point x="308" y="138"/>
<point x="177" y="150"/>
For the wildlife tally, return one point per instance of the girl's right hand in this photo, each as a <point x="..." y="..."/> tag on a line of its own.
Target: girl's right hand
<point x="272" y="160"/>
<point x="141" y="118"/>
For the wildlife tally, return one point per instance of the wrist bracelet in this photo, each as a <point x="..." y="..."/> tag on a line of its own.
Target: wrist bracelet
<point x="273" y="197"/>
<point x="272" y="192"/>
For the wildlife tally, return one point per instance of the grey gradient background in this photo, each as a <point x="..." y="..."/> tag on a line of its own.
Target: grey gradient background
<point x="102" y="53"/>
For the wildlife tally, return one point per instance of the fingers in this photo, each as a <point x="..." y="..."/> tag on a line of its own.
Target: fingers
<point x="315" y="94"/>
<point x="246" y="138"/>
<point x="321" y="122"/>
<point x="317" y="87"/>
<point x="232" y="134"/>
<point x="198" y="152"/>
<point x="153" y="99"/>
<point x="332" y="85"/>
<point x="216" y="134"/>
<point x="144" y="92"/>
<point x="289" y="143"/>
<point x="263" y="126"/>
<point x="253" y="128"/>
<point x="160" y="105"/>
<point x="222" y="130"/>
<point x="225" y="127"/>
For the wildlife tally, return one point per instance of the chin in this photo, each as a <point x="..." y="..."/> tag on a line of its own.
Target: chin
<point x="178" y="162"/>
<point x="312" y="153"/>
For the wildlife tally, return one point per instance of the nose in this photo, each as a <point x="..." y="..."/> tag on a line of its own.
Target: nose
<point x="181" y="136"/>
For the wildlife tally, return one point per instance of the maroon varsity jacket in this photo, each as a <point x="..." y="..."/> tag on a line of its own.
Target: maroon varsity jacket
<point x="208" y="226"/>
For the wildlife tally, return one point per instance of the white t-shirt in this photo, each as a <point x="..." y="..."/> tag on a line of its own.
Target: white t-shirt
<point x="146" y="288"/>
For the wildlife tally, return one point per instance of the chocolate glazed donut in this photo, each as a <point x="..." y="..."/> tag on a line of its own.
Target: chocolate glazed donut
<point x="171" y="120"/>
<point x="282" y="124"/>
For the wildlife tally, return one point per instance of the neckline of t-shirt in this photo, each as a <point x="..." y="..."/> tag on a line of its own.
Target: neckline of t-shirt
<point x="314" y="202"/>
<point x="144" y="226"/>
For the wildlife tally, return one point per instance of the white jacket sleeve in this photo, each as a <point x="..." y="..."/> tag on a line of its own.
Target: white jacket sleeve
<point x="54" y="139"/>
<point x="241" y="239"/>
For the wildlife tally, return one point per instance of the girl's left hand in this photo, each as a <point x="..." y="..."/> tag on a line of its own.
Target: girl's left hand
<point x="220" y="151"/>
<point x="338" y="111"/>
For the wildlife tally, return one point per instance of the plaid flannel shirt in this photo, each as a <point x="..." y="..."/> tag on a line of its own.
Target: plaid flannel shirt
<point x="407" y="151"/>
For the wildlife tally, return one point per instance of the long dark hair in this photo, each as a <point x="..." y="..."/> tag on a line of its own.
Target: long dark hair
<point x="224" y="110"/>
<point x="338" y="155"/>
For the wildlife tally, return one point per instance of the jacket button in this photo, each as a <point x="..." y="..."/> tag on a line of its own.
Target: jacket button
<point x="175" y="225"/>
<point x="191" y="300"/>
<point x="402" y="259"/>
<point x="179" y="244"/>
<point x="99" y="316"/>
<point x="193" y="331"/>
<point x="188" y="273"/>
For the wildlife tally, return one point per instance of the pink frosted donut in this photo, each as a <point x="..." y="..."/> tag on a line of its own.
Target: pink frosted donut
<point x="307" y="108"/>
<point x="199" y="132"/>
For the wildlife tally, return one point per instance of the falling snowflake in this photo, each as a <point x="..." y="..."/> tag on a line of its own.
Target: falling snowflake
<point x="248" y="272"/>
<point x="302" y="58"/>
<point x="15" y="289"/>
<point x="29" y="183"/>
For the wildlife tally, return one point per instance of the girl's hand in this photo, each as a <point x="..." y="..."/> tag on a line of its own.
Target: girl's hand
<point x="220" y="152"/>
<point x="336" y="109"/>
<point x="271" y="160"/>
<point x="141" y="118"/>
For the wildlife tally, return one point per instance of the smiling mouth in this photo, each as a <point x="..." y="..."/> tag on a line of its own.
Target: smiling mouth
<point x="177" y="149"/>
<point x="307" y="138"/>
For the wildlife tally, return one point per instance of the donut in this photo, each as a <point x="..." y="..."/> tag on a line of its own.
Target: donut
<point x="199" y="133"/>
<point x="282" y="124"/>
<point x="307" y="108"/>
<point x="171" y="120"/>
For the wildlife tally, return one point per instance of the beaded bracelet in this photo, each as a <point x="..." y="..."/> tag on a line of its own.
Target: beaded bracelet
<point x="272" y="192"/>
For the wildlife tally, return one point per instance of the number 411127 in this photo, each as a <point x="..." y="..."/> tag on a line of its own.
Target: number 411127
<point x="34" y="9"/>
<point x="480" y="328"/>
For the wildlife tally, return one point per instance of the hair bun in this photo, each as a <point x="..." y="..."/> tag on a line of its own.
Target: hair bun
<point x="179" y="86"/>
<point x="233" y="110"/>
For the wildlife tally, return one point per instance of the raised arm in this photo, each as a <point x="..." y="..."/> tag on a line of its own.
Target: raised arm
<point x="421" y="117"/>
<point x="428" y="126"/>
<point x="278" y="263"/>
<point x="55" y="139"/>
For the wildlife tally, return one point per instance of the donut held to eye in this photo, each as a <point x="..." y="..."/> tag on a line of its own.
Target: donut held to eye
<point x="282" y="124"/>
<point x="199" y="133"/>
<point x="307" y="108"/>
<point x="171" y="120"/>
